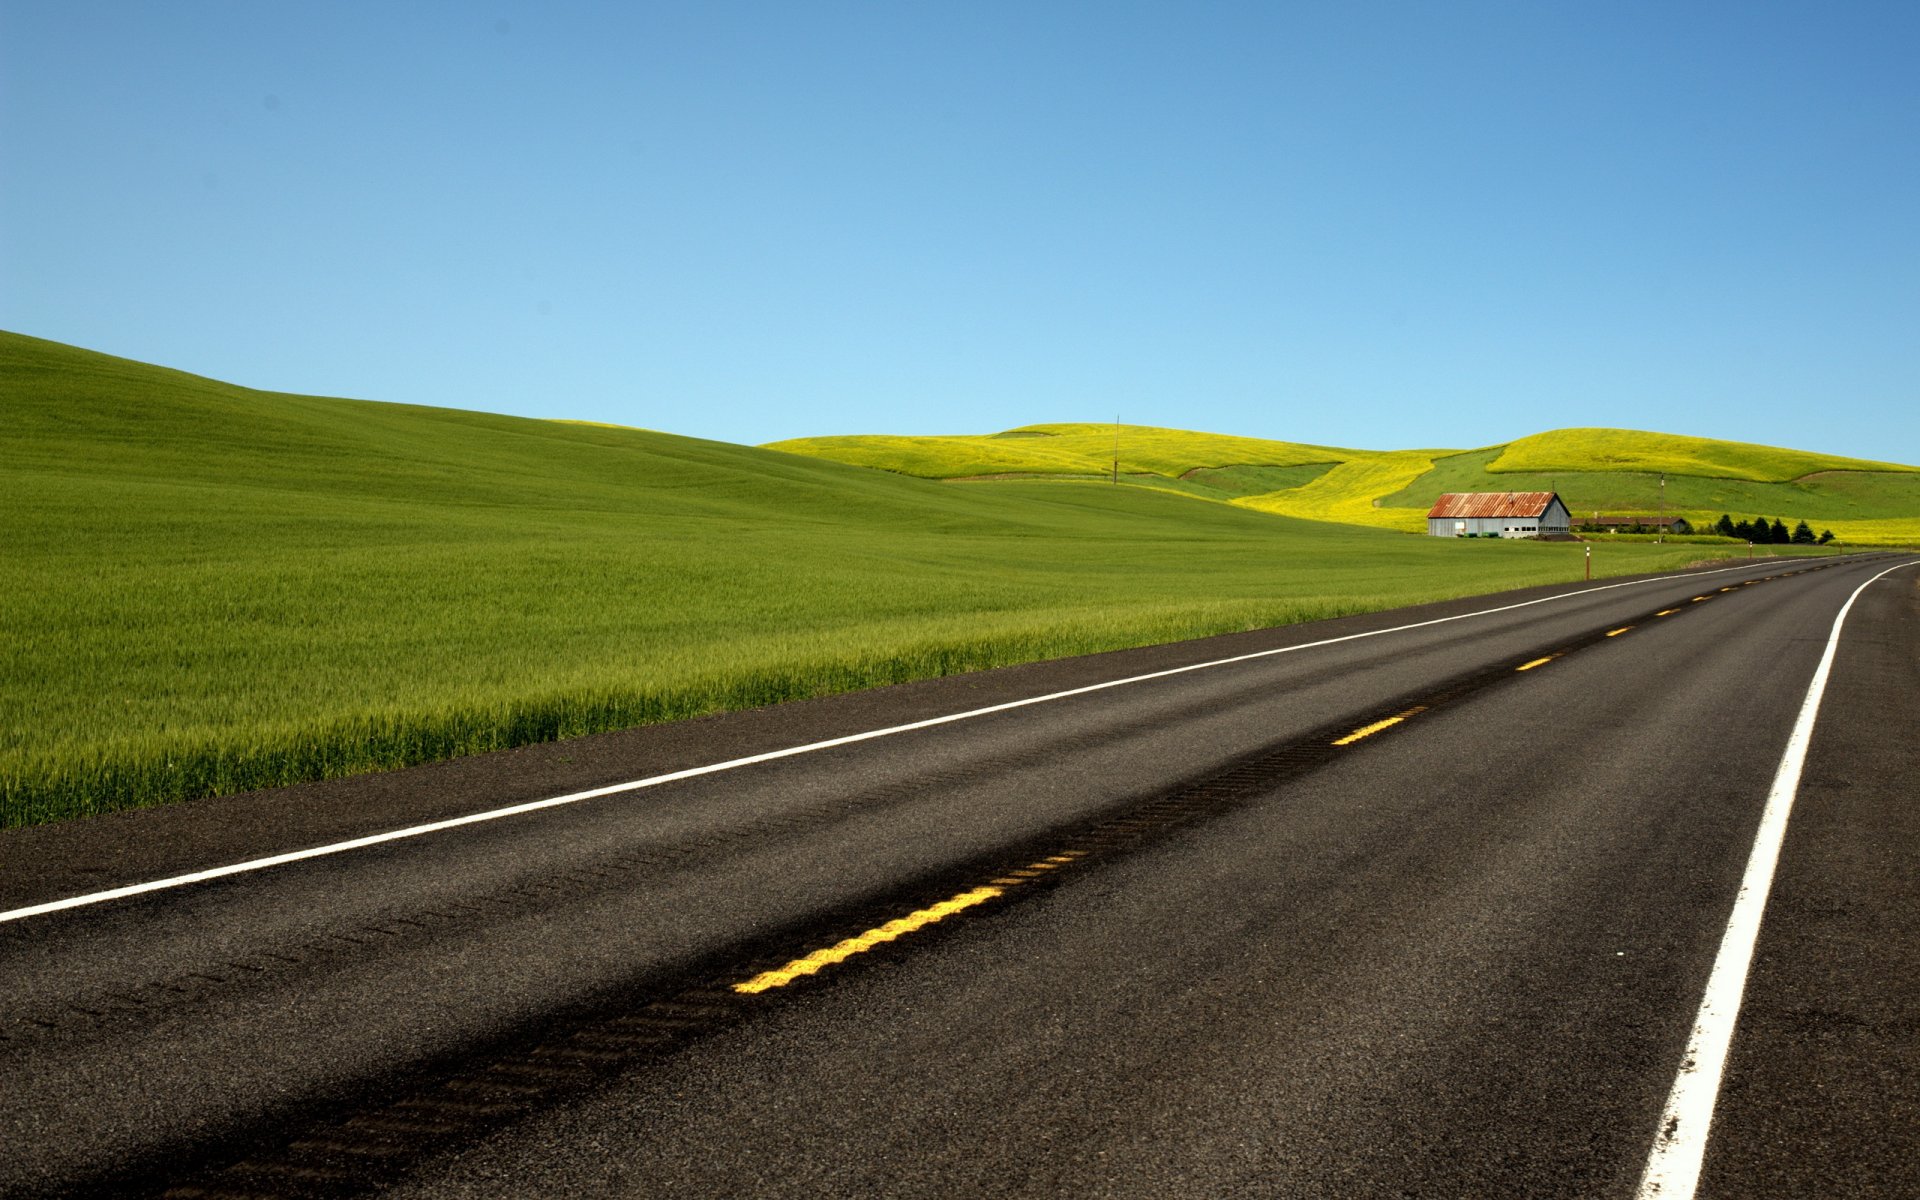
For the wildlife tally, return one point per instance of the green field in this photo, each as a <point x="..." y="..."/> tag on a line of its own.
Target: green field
<point x="1611" y="471"/>
<point x="212" y="589"/>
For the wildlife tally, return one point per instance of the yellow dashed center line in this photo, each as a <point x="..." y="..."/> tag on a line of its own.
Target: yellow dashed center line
<point x="1377" y="726"/>
<point x="842" y="951"/>
<point x="920" y="918"/>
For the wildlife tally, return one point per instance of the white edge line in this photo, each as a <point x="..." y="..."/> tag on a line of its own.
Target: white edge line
<point x="414" y="831"/>
<point x="1680" y="1140"/>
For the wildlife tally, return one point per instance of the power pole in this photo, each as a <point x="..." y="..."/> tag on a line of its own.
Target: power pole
<point x="1662" y="535"/>
<point x="1116" y="448"/>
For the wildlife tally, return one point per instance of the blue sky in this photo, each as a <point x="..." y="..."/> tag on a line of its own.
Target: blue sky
<point x="1364" y="224"/>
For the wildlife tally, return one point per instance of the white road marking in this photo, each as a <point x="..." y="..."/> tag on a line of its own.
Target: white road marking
<point x="414" y="831"/>
<point x="1680" y="1140"/>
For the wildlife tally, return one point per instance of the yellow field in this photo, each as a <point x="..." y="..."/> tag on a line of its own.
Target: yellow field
<point x="1896" y="531"/>
<point x="1346" y="493"/>
<point x="1060" y="450"/>
<point x="1632" y="450"/>
<point x="1615" y="470"/>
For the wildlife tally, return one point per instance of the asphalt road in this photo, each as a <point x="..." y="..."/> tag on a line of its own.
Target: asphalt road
<point x="1160" y="939"/>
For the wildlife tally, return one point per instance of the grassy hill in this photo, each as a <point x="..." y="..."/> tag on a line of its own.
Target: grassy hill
<point x="1630" y="450"/>
<point x="1212" y="465"/>
<point x="1862" y="502"/>
<point x="212" y="589"/>
<point x="1614" y="471"/>
<point x="1316" y="483"/>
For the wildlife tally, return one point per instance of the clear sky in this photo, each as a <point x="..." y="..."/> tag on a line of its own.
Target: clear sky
<point x="1368" y="224"/>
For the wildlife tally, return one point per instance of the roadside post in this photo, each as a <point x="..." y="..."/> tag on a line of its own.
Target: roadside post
<point x="1589" y="562"/>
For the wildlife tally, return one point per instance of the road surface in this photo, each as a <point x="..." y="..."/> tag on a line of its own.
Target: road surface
<point x="1421" y="903"/>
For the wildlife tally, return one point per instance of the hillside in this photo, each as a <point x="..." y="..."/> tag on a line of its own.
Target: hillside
<point x="1632" y="450"/>
<point x="1862" y="502"/>
<point x="1317" y="483"/>
<point x="1614" y="471"/>
<point x="1205" y="464"/>
<point x="213" y="588"/>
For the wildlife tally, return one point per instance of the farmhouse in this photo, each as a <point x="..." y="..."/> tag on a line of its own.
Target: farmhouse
<point x="1497" y="514"/>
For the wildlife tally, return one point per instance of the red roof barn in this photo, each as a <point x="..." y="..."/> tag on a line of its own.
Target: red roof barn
<point x="1497" y="514"/>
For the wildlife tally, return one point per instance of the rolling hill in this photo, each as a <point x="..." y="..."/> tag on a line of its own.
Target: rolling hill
<point x="212" y="588"/>
<point x="1615" y="471"/>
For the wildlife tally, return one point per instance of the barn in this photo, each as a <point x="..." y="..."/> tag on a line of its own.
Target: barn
<point x="1497" y="514"/>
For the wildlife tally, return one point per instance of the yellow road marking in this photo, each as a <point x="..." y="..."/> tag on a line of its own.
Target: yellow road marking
<point x="1666" y="612"/>
<point x="841" y="951"/>
<point x="1698" y="599"/>
<point x="1619" y="631"/>
<point x="1538" y="662"/>
<point x="1377" y="726"/>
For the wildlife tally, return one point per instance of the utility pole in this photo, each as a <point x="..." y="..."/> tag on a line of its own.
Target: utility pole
<point x="1116" y="448"/>
<point x="1662" y="535"/>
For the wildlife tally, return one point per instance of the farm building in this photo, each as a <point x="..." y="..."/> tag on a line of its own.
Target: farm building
<point x="1638" y="524"/>
<point x="1497" y="514"/>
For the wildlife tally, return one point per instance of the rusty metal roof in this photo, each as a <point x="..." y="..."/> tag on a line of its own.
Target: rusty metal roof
<point x="1491" y="504"/>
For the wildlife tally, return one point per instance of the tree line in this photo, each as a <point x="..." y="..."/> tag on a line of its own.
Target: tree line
<point x="1762" y="532"/>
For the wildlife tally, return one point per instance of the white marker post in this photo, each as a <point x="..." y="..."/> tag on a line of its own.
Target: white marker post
<point x="1589" y="562"/>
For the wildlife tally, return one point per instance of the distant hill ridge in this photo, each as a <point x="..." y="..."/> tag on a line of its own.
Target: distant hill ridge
<point x="1593" y="449"/>
<point x="1595" y="470"/>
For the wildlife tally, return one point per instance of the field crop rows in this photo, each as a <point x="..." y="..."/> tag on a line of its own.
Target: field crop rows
<point x="214" y="589"/>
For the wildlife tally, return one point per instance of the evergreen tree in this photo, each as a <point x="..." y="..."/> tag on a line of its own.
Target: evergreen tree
<point x="1744" y="531"/>
<point x="1803" y="534"/>
<point x="1780" y="536"/>
<point x="1826" y="535"/>
<point x="1725" y="526"/>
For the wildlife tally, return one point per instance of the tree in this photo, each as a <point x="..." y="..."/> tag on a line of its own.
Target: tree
<point x="1744" y="531"/>
<point x="1725" y="526"/>
<point x="1780" y="536"/>
<point x="1826" y="535"/>
<point x="1803" y="534"/>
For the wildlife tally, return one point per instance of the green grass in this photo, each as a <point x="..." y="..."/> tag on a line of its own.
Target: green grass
<point x="1252" y="480"/>
<point x="212" y="589"/>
